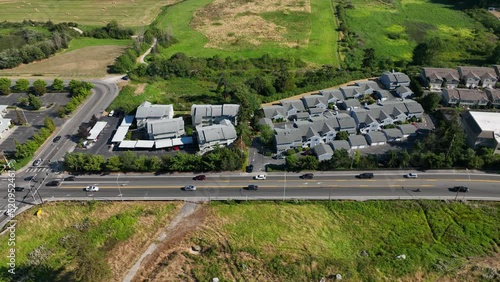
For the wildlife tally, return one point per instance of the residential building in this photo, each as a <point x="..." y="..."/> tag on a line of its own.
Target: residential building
<point x="165" y="128"/>
<point x="466" y="97"/>
<point x="376" y="138"/>
<point x="393" y="79"/>
<point x="340" y="144"/>
<point x="367" y="87"/>
<point x="351" y="92"/>
<point x="393" y="134"/>
<point x="209" y="137"/>
<point x="148" y="112"/>
<point x="493" y="96"/>
<point x="407" y="130"/>
<point x="323" y="152"/>
<point x="315" y="101"/>
<point x="404" y="92"/>
<point x="372" y="117"/>
<point x="266" y="121"/>
<point x="482" y="129"/>
<point x="357" y="142"/>
<point x="438" y="78"/>
<point x="349" y="104"/>
<point x="285" y="139"/>
<point x="478" y="76"/>
<point x="332" y="95"/>
<point x="274" y="112"/>
<point x="213" y="114"/>
<point x="413" y="109"/>
<point x="382" y="95"/>
<point x="292" y="107"/>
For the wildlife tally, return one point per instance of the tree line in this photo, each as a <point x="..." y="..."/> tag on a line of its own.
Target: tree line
<point x="28" y="149"/>
<point x="220" y="159"/>
<point x="79" y="91"/>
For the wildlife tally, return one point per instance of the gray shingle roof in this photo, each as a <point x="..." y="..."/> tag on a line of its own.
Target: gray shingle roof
<point x="407" y="129"/>
<point x="198" y="112"/>
<point x="217" y="132"/>
<point x="350" y="91"/>
<point x="332" y="93"/>
<point x="165" y="126"/>
<point x="391" y="133"/>
<point x="340" y="144"/>
<point x="441" y="73"/>
<point x="274" y="110"/>
<point x="322" y="149"/>
<point x="148" y="110"/>
<point x="312" y="100"/>
<point x="293" y="104"/>
<point x="357" y="140"/>
<point x="376" y="137"/>
<point x="413" y="107"/>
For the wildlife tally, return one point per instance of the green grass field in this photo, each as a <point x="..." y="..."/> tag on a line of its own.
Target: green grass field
<point x="318" y="27"/>
<point x="92" y="12"/>
<point x="111" y="227"/>
<point x="393" y="30"/>
<point x="304" y="242"/>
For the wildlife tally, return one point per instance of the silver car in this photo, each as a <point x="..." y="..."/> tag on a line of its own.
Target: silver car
<point x="189" y="188"/>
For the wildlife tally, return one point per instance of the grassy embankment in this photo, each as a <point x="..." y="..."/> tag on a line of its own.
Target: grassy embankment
<point x="304" y="242"/>
<point x="117" y="232"/>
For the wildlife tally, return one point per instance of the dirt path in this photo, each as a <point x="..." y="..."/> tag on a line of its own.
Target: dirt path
<point x="179" y="226"/>
<point x="296" y="97"/>
<point x="141" y="58"/>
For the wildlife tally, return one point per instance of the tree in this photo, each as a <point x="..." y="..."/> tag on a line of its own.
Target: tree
<point x="34" y="102"/>
<point x="93" y="121"/>
<point x="5" y="86"/>
<point x="308" y="163"/>
<point x="58" y="84"/>
<point x="113" y="163"/>
<point x="83" y="131"/>
<point x="23" y="101"/>
<point x="49" y="124"/>
<point x="285" y="81"/>
<point x="266" y="135"/>
<point x="22" y="85"/>
<point x="342" y="135"/>
<point x="291" y="162"/>
<point x="430" y="101"/>
<point x="40" y="87"/>
<point x="369" y="58"/>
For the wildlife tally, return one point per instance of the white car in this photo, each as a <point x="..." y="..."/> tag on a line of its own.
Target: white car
<point x="260" y="177"/>
<point x="411" y="175"/>
<point x="189" y="188"/>
<point x="111" y="113"/>
<point x="92" y="188"/>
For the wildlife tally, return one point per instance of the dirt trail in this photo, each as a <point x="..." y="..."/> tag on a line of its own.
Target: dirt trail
<point x="296" y="97"/>
<point x="187" y="220"/>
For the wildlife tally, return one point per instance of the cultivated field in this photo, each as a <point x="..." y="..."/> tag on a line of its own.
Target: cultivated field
<point x="393" y="28"/>
<point x="296" y="28"/>
<point x="85" y="58"/>
<point x="118" y="231"/>
<point x="305" y="242"/>
<point x="89" y="12"/>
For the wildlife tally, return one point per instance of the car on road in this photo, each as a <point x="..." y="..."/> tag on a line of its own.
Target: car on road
<point x="307" y="176"/>
<point x="30" y="178"/>
<point x="250" y="168"/>
<point x="10" y="212"/>
<point x="57" y="138"/>
<point x="411" y="175"/>
<point x="92" y="188"/>
<point x="70" y="178"/>
<point x="189" y="188"/>
<point x="252" y="187"/>
<point x="19" y="189"/>
<point x="260" y="177"/>
<point x="200" y="177"/>
<point x="365" y="175"/>
<point x="53" y="183"/>
<point x="37" y="162"/>
<point x="460" y="189"/>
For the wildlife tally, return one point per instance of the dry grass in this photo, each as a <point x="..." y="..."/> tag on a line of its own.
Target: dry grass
<point x="88" y="62"/>
<point x="226" y="22"/>
<point x="90" y="12"/>
<point x="140" y="88"/>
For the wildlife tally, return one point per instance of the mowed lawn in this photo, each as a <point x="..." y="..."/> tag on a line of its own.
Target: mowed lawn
<point x="85" y="58"/>
<point x="89" y="12"/>
<point x="393" y="30"/>
<point x="318" y="28"/>
<point x="269" y="241"/>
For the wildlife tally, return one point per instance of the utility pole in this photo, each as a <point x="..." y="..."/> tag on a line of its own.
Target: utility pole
<point x="284" y="187"/>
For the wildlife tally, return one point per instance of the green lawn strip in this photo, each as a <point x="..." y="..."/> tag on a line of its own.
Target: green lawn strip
<point x="83" y="42"/>
<point x="308" y="240"/>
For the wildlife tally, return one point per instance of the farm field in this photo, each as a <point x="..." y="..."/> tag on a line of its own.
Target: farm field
<point x="266" y="241"/>
<point x="116" y="234"/>
<point x="393" y="30"/>
<point x="85" y="58"/>
<point x="90" y="12"/>
<point x="291" y="28"/>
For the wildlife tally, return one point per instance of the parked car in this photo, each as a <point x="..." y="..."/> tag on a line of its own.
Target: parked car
<point x="252" y="187"/>
<point x="70" y="178"/>
<point x="460" y="189"/>
<point x="111" y="113"/>
<point x="366" y="175"/>
<point x="52" y="183"/>
<point x="37" y="162"/>
<point x="307" y="153"/>
<point x="250" y="168"/>
<point x="200" y="177"/>
<point x="189" y="188"/>
<point x="411" y="175"/>
<point x="19" y="189"/>
<point x="57" y="138"/>
<point x="307" y="176"/>
<point x="92" y="188"/>
<point x="260" y="177"/>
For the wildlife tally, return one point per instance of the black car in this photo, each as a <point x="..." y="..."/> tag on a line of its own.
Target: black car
<point x="19" y="189"/>
<point x="52" y="183"/>
<point x="366" y="175"/>
<point x="57" y="138"/>
<point x="250" y="168"/>
<point x="307" y="176"/>
<point x="70" y="178"/>
<point x="460" y="189"/>
<point x="30" y="178"/>
<point x="200" y="177"/>
<point x="252" y="187"/>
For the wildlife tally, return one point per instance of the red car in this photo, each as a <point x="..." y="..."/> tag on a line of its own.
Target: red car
<point x="200" y="177"/>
